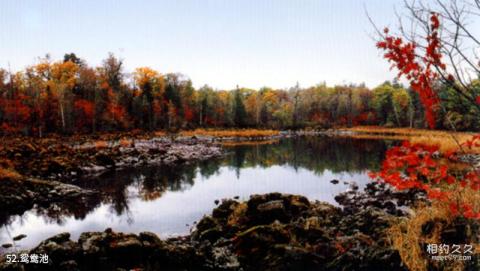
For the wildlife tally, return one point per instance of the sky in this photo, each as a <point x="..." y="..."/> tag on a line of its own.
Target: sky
<point x="222" y="43"/>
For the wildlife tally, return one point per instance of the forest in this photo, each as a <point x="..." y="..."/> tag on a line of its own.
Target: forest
<point x="69" y="96"/>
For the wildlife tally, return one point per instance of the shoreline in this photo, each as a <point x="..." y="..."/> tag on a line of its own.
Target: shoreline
<point x="53" y="161"/>
<point x="268" y="231"/>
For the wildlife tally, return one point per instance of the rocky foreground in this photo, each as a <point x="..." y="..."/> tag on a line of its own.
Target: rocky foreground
<point x="267" y="232"/>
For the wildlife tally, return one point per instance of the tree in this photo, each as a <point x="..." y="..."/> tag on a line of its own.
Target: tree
<point x="422" y="63"/>
<point x="72" y="58"/>
<point x="152" y="87"/>
<point x="296" y="97"/>
<point x="240" y="114"/>
<point x="63" y="80"/>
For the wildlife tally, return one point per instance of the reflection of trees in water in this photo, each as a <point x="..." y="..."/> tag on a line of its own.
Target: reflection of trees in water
<point x="57" y="212"/>
<point x="316" y="154"/>
<point x="312" y="153"/>
<point x="148" y="183"/>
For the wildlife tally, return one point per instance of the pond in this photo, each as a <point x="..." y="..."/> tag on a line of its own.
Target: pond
<point x="168" y="201"/>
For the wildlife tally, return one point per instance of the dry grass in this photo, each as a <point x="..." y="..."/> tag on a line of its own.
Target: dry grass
<point x="125" y="142"/>
<point x="160" y="133"/>
<point x="407" y="237"/>
<point x="446" y="140"/>
<point x="100" y="144"/>
<point x="249" y="143"/>
<point x="230" y="133"/>
<point x="7" y="173"/>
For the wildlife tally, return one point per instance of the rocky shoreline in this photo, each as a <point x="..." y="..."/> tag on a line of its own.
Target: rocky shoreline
<point x="268" y="232"/>
<point x="48" y="165"/>
<point x="41" y="172"/>
<point x="53" y="159"/>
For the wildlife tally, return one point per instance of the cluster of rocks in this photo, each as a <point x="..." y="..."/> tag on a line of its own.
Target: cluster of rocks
<point x="62" y="160"/>
<point x="156" y="151"/>
<point x="268" y="232"/>
<point x="23" y="194"/>
<point x="382" y="196"/>
<point x="470" y="158"/>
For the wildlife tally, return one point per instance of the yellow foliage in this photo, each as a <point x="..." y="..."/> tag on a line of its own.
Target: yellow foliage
<point x="144" y="75"/>
<point x="64" y="74"/>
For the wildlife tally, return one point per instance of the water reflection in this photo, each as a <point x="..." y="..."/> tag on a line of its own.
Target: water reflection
<point x="167" y="200"/>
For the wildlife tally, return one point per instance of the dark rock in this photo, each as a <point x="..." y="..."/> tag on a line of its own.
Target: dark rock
<point x="19" y="237"/>
<point x="272" y="210"/>
<point x="268" y="232"/>
<point x="151" y="239"/>
<point x="334" y="181"/>
<point x="103" y="159"/>
<point x="354" y="186"/>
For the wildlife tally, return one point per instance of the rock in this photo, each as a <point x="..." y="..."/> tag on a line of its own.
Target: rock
<point x="7" y="245"/>
<point x="335" y="181"/>
<point x="103" y="159"/>
<point x="224" y="210"/>
<point x="225" y="259"/>
<point x="129" y="243"/>
<point x="150" y="239"/>
<point x="56" y="165"/>
<point x="19" y="237"/>
<point x="353" y="186"/>
<point x="268" y="232"/>
<point x="204" y="225"/>
<point x="271" y="206"/>
<point x="211" y="234"/>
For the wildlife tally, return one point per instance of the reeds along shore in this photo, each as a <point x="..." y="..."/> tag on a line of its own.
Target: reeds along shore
<point x="446" y="140"/>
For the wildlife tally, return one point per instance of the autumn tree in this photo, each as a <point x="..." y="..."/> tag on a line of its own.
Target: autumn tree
<point x="150" y="97"/>
<point x="63" y="80"/>
<point x="110" y="107"/>
<point x="431" y="57"/>
<point x="240" y="114"/>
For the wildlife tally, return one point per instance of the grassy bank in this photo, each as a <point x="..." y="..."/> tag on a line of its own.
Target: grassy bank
<point x="446" y="140"/>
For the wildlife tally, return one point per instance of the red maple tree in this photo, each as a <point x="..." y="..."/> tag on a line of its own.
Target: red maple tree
<point x="417" y="165"/>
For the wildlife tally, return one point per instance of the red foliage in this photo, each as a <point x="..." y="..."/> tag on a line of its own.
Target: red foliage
<point x="85" y="112"/>
<point x="472" y="142"/>
<point x="189" y="115"/>
<point x="421" y="71"/>
<point x="16" y="112"/>
<point x="417" y="166"/>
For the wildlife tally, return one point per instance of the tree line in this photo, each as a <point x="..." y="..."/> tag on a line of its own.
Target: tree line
<point x="69" y="96"/>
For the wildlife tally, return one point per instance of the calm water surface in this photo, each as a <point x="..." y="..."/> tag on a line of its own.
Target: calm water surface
<point x="168" y="201"/>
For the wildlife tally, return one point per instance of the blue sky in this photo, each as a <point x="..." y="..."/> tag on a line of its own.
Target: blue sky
<point x="221" y="43"/>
